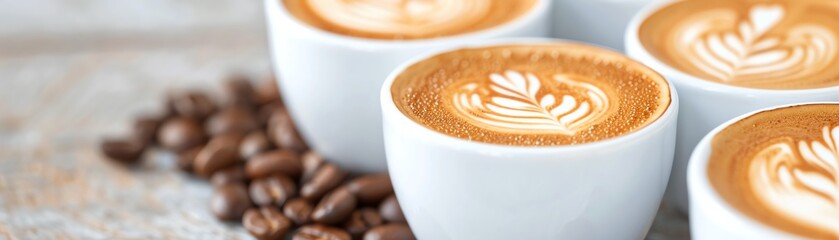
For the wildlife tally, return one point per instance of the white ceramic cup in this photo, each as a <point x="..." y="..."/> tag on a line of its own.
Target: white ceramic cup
<point x="330" y="82"/>
<point x="600" y="22"/>
<point x="451" y="188"/>
<point x="711" y="217"/>
<point x="707" y="104"/>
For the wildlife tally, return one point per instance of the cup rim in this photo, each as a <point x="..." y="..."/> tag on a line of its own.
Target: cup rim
<point x="389" y="109"/>
<point x="699" y="186"/>
<point x="636" y="49"/>
<point x="540" y="9"/>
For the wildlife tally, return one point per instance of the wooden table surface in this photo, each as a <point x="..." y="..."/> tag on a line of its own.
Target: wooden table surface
<point x="72" y="72"/>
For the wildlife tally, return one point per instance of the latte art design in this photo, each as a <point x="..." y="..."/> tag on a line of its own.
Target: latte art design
<point x="516" y="102"/>
<point x="733" y="50"/>
<point x="802" y="184"/>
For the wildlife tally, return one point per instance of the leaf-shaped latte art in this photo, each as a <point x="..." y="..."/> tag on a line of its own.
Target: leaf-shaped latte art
<point x="516" y="102"/>
<point x="749" y="50"/>
<point x="803" y="185"/>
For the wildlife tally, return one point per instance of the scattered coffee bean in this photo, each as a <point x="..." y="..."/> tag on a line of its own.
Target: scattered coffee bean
<point x="221" y="152"/>
<point x="267" y="91"/>
<point x="298" y="210"/>
<point x="335" y="207"/>
<point x="232" y="174"/>
<point x="362" y="220"/>
<point x="186" y="158"/>
<point x="320" y="232"/>
<point x="272" y="190"/>
<point x="180" y="134"/>
<point x="393" y="231"/>
<point x="125" y="151"/>
<point x="267" y="110"/>
<point x="195" y="105"/>
<point x="230" y="201"/>
<point x="231" y="120"/>
<point x="391" y="211"/>
<point x="282" y="131"/>
<point x="312" y="161"/>
<point x="145" y="129"/>
<point x="326" y="178"/>
<point x="274" y="162"/>
<point x="254" y="143"/>
<point x="238" y="91"/>
<point x="371" y="189"/>
<point x="266" y="223"/>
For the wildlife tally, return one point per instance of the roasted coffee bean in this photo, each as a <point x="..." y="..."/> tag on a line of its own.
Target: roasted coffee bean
<point x="320" y="232"/>
<point x="230" y="201"/>
<point x="267" y="110"/>
<point x="125" y="151"/>
<point x="371" y="189"/>
<point x="180" y="134"/>
<point x="274" y="162"/>
<point x="312" y="161"/>
<point x="195" y="105"/>
<point x="232" y="174"/>
<point x="281" y="130"/>
<point x="231" y="120"/>
<point x="221" y="152"/>
<point x="254" y="143"/>
<point x="145" y="129"/>
<point x="266" y="223"/>
<point x="267" y="91"/>
<point x="272" y="190"/>
<point x="326" y="178"/>
<point x="391" y="211"/>
<point x="187" y="158"/>
<point x="238" y="91"/>
<point x="362" y="220"/>
<point x="335" y="207"/>
<point x="299" y="210"/>
<point x="393" y="231"/>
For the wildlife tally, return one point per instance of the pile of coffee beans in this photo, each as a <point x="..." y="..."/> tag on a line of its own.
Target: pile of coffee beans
<point x="263" y="173"/>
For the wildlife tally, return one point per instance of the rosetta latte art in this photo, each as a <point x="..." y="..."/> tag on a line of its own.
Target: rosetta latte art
<point x="515" y="102"/>
<point x="802" y="184"/>
<point x="747" y="49"/>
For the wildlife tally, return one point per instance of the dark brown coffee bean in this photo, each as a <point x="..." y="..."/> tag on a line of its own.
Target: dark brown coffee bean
<point x="230" y="201"/>
<point x="393" y="231"/>
<point x="254" y="143"/>
<point x="312" y="161"/>
<point x="180" y="134"/>
<point x="221" y="152"/>
<point x="362" y="220"/>
<point x="391" y="211"/>
<point x="233" y="174"/>
<point x="281" y="130"/>
<point x="299" y="210"/>
<point x="320" y="232"/>
<point x="187" y="158"/>
<point x="231" y="120"/>
<point x="267" y="91"/>
<point x="266" y="111"/>
<point x="326" y="178"/>
<point x="272" y="190"/>
<point x="266" y="223"/>
<point x="125" y="151"/>
<point x="335" y="207"/>
<point x="371" y="189"/>
<point x="145" y="129"/>
<point x="274" y="162"/>
<point x="195" y="105"/>
<point x="238" y="91"/>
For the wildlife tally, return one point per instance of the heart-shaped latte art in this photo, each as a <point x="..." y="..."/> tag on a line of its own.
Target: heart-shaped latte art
<point x="802" y="184"/>
<point x="516" y="102"/>
<point x="744" y="49"/>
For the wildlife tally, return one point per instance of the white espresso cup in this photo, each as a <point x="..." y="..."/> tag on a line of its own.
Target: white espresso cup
<point x="601" y="22"/>
<point x="330" y="82"/>
<point x="707" y="104"/>
<point x="452" y="188"/>
<point x="711" y="217"/>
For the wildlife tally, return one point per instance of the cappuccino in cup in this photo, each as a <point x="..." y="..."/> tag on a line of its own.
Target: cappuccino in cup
<point x="730" y="57"/>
